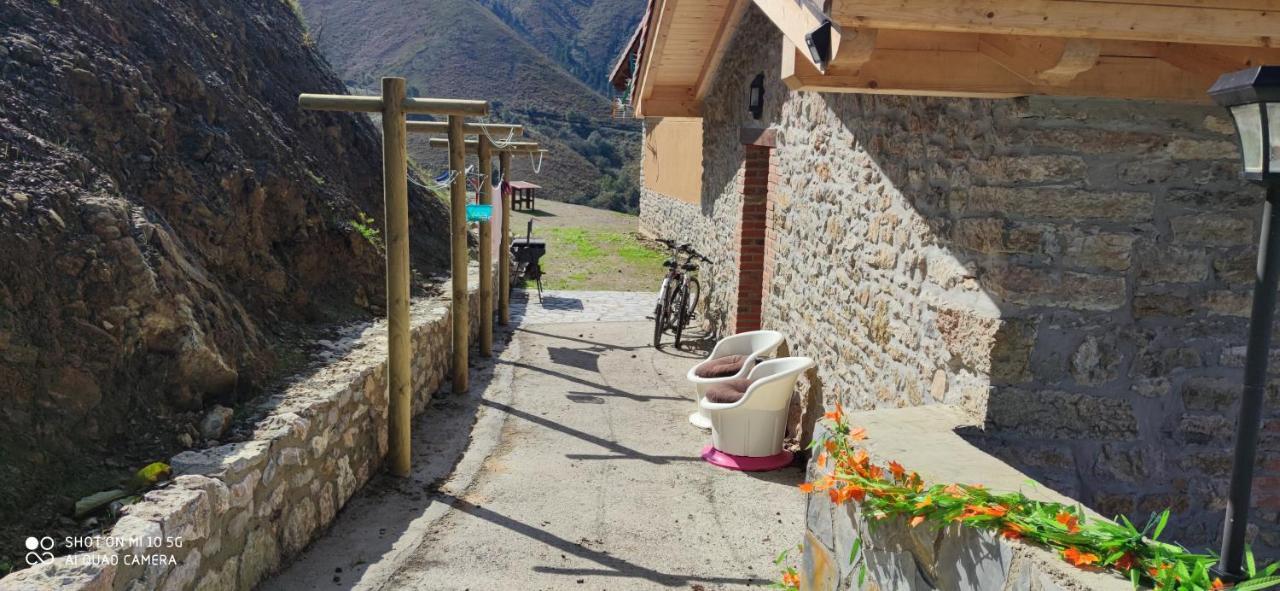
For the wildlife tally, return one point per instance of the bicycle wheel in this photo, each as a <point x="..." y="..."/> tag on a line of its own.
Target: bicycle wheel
<point x="685" y="308"/>
<point x="660" y="314"/>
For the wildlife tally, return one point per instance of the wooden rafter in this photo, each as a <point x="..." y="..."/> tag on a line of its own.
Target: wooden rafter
<point x="724" y="34"/>
<point x="1233" y="22"/>
<point x="949" y="64"/>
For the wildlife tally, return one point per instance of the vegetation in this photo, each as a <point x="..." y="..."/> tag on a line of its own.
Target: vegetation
<point x="883" y="493"/>
<point x="364" y="225"/>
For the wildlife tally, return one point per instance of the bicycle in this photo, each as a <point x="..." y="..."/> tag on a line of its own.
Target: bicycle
<point x="678" y="297"/>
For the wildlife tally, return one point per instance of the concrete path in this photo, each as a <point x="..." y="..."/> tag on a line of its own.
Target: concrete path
<point x="579" y="471"/>
<point x="557" y="307"/>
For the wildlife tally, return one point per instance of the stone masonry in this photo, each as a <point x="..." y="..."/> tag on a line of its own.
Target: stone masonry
<point x="1078" y="273"/>
<point x="242" y="509"/>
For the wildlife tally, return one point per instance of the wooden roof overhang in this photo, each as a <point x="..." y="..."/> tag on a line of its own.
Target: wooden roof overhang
<point x="1144" y="49"/>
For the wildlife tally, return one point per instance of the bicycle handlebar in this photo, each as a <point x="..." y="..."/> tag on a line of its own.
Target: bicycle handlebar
<point x="685" y="248"/>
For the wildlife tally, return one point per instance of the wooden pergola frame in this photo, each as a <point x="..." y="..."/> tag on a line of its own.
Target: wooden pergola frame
<point x="394" y="106"/>
<point x="1168" y="50"/>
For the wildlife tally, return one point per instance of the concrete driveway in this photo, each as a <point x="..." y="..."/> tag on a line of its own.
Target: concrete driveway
<point x="579" y="471"/>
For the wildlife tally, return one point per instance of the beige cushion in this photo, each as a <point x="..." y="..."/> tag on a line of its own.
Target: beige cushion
<point x="727" y="392"/>
<point x="722" y="367"/>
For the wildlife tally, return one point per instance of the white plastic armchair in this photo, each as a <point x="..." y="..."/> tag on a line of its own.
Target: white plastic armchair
<point x="753" y="344"/>
<point x="755" y="425"/>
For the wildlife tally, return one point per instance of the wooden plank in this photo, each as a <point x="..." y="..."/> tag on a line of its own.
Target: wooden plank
<point x="395" y="176"/>
<point x="504" y="250"/>
<point x="1215" y="60"/>
<point x="499" y="131"/>
<point x="671" y="101"/>
<point x="373" y="104"/>
<point x="974" y="74"/>
<point x="1202" y="23"/>
<point x="458" y="253"/>
<point x="665" y="12"/>
<point x="486" y="250"/>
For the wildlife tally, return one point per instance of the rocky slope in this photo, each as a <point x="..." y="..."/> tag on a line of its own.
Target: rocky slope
<point x="170" y="225"/>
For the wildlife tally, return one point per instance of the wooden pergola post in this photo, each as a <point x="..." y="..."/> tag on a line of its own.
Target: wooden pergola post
<point x="393" y="105"/>
<point x="504" y="251"/>
<point x="395" y="178"/>
<point x="485" y="151"/>
<point x="458" y="253"/>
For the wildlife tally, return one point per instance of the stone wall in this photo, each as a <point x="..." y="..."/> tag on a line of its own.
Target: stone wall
<point x="244" y="508"/>
<point x="1077" y="272"/>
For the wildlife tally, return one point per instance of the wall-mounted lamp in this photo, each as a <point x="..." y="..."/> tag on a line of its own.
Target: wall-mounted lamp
<point x="755" y="101"/>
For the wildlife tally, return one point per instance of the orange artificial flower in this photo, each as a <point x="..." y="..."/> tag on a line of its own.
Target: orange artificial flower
<point x="1071" y="522"/>
<point x="954" y="490"/>
<point x="857" y="434"/>
<point x="836" y="415"/>
<point x="980" y="511"/>
<point x="1126" y="562"/>
<point x="917" y="520"/>
<point x="1078" y="558"/>
<point x="1218" y="585"/>
<point x="1012" y="531"/>
<point x="822" y="459"/>
<point x="806" y="487"/>
<point x="830" y="446"/>
<point x="827" y="482"/>
<point x="791" y="579"/>
<point x="897" y="470"/>
<point x="924" y="503"/>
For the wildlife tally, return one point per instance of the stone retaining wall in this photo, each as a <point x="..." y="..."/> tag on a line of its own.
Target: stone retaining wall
<point x="1077" y="272"/>
<point x="242" y="509"/>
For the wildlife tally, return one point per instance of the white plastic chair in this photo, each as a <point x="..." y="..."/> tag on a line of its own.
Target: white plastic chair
<point x="753" y="344"/>
<point x="756" y="425"/>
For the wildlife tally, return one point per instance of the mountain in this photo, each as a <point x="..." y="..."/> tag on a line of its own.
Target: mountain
<point x="520" y="55"/>
<point x="171" y="225"/>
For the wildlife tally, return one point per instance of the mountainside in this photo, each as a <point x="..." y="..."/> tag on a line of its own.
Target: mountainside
<point x="170" y="224"/>
<point x="465" y="49"/>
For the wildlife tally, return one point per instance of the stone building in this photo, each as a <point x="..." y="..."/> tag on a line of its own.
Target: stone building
<point x="1055" y="239"/>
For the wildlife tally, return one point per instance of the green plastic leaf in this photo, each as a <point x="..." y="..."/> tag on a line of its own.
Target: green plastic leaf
<point x="1164" y="520"/>
<point x="1250" y="568"/>
<point x="1257" y="584"/>
<point x="97" y="501"/>
<point x="853" y="554"/>
<point x="862" y="574"/>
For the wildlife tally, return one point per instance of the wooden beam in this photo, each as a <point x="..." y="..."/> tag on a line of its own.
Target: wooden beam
<point x="497" y="130"/>
<point x="796" y="19"/>
<point x="974" y="74"/>
<point x="504" y="250"/>
<point x="458" y="254"/>
<point x="373" y="104"/>
<point x="395" y="175"/>
<point x="1244" y="24"/>
<point x="671" y="101"/>
<point x="1049" y="60"/>
<point x="724" y="34"/>
<point x="661" y="32"/>
<point x="486" y="250"/>
<point x="473" y="145"/>
<point x="1215" y="60"/>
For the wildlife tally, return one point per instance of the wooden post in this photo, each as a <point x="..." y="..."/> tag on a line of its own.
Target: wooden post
<point x="486" y="250"/>
<point x="504" y="250"/>
<point x="396" y="208"/>
<point x="458" y="253"/>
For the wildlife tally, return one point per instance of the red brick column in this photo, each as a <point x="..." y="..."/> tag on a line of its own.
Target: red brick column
<point x="754" y="251"/>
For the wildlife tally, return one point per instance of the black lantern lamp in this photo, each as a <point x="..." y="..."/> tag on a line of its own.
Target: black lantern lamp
<point x="1253" y="97"/>
<point x="755" y="100"/>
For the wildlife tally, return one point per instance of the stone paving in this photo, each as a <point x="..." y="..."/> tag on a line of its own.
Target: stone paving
<point x="557" y="307"/>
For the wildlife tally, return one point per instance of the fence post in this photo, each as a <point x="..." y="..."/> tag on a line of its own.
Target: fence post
<point x="485" y="151"/>
<point x="458" y="252"/>
<point x="396" y="211"/>
<point x="504" y="251"/>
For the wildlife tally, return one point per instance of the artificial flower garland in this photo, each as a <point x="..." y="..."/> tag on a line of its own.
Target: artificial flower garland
<point x="883" y="493"/>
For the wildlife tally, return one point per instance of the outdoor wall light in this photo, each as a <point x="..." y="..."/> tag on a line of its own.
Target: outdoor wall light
<point x="755" y="100"/>
<point x="1253" y="97"/>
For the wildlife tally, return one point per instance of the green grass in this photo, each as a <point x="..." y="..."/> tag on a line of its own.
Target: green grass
<point x="587" y="259"/>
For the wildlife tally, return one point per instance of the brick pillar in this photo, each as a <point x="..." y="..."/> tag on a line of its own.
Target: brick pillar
<point x="753" y="238"/>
